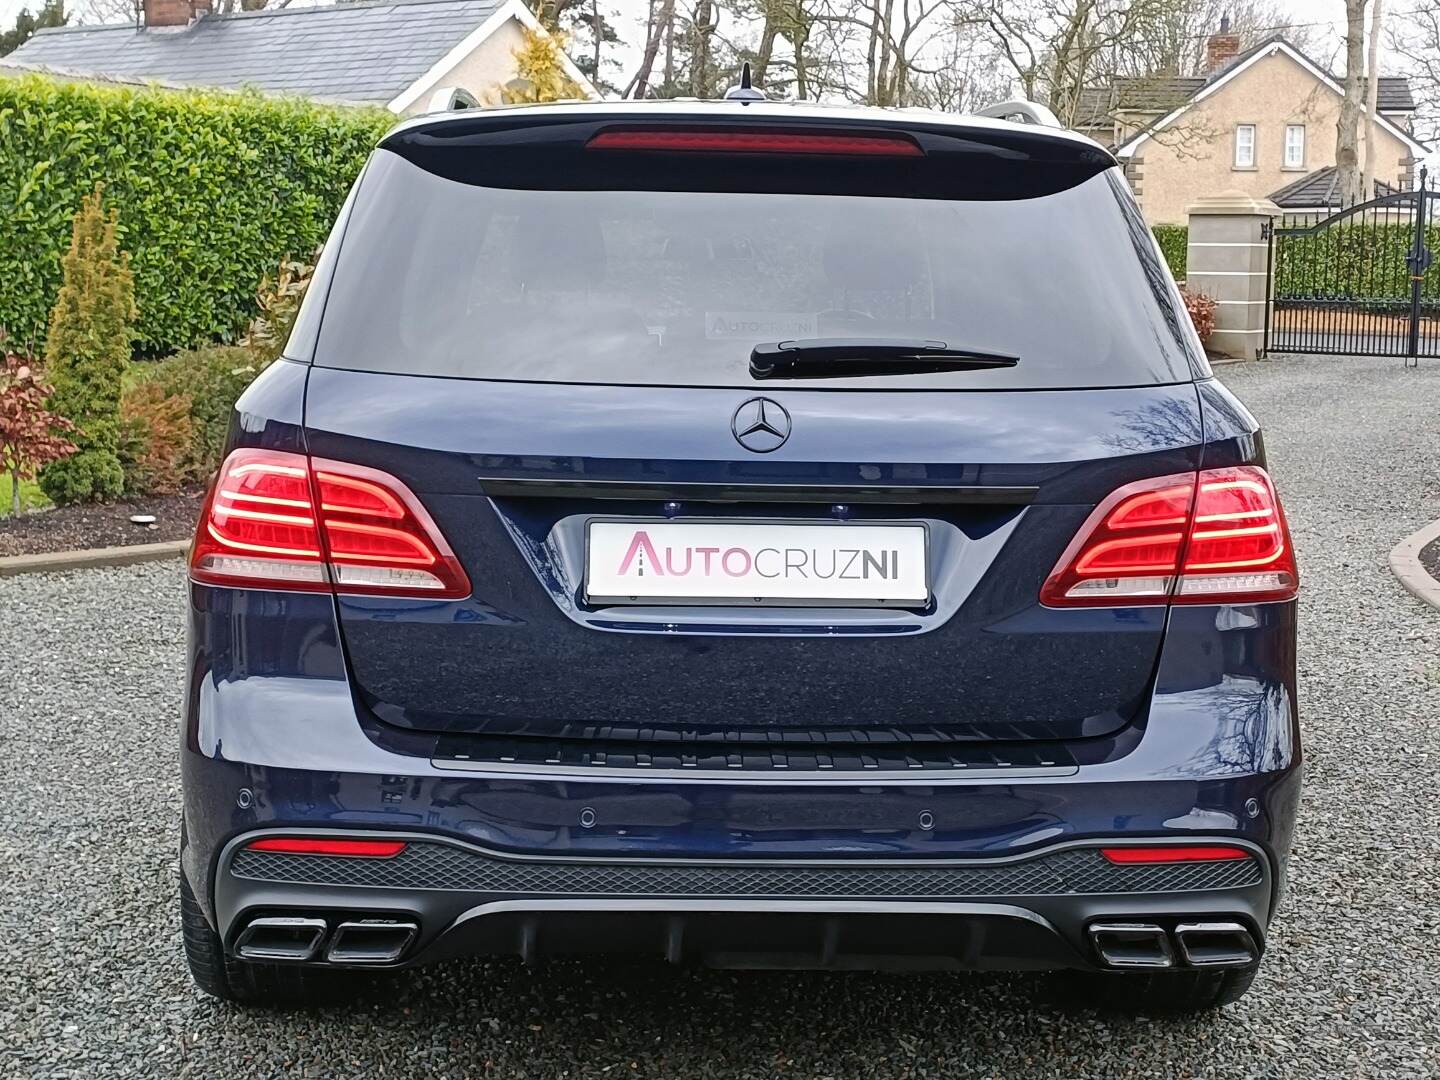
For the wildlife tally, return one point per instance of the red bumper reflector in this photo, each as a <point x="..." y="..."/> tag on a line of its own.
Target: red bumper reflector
<point x="1179" y="853"/>
<point x="314" y="845"/>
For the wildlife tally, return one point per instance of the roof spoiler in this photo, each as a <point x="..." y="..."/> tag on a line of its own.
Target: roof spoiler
<point x="1028" y="112"/>
<point x="451" y="99"/>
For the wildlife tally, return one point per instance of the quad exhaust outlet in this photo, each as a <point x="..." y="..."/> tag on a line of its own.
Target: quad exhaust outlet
<point x="370" y="941"/>
<point x="299" y="939"/>
<point x="281" y="937"/>
<point x="1130" y="945"/>
<point x="1216" y="944"/>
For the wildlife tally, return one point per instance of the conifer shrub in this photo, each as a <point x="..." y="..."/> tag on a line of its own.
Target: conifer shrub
<point x="87" y="350"/>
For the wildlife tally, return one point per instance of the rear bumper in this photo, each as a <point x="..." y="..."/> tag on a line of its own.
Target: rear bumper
<point x="1013" y="913"/>
<point x="274" y="740"/>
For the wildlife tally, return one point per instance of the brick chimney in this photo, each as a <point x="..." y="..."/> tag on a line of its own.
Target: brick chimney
<point x="1222" y="46"/>
<point x="161" y="13"/>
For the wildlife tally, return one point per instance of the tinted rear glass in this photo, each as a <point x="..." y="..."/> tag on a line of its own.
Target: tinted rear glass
<point x="442" y="277"/>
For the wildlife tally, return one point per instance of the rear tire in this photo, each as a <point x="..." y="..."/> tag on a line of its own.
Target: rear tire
<point x="280" y="986"/>
<point x="1155" y="991"/>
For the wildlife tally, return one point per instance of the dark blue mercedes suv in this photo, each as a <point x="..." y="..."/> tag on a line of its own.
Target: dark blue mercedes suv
<point x="753" y="534"/>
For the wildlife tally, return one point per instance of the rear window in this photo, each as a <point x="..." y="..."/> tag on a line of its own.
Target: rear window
<point x="441" y="277"/>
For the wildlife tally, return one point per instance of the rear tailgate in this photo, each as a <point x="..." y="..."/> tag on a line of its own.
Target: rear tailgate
<point x="532" y="361"/>
<point x="1002" y="481"/>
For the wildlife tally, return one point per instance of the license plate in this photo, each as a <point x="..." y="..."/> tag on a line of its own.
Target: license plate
<point x="628" y="562"/>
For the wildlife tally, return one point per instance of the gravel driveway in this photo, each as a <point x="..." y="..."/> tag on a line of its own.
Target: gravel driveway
<point x="92" y="983"/>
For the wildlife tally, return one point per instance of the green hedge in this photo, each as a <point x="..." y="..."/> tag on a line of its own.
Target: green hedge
<point x="213" y="190"/>
<point x="1342" y="262"/>
<point x="1172" y="240"/>
<point x="1352" y="261"/>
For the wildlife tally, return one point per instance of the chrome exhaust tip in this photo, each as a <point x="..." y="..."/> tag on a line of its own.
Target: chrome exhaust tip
<point x="370" y="941"/>
<point x="1216" y="945"/>
<point x="1132" y="945"/>
<point x="281" y="937"/>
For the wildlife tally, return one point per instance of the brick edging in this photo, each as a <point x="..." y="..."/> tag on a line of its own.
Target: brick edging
<point x="1405" y="564"/>
<point x="125" y="555"/>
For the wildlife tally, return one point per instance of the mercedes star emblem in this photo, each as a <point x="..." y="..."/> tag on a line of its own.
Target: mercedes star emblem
<point x="761" y="425"/>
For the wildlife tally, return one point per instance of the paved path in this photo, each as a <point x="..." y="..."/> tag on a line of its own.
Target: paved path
<point x="91" y="981"/>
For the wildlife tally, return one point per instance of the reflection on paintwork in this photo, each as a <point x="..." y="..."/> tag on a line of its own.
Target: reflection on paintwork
<point x="1234" y="617"/>
<point x="470" y="612"/>
<point x="487" y="427"/>
<point x="1037" y="837"/>
<point x="1201" y="819"/>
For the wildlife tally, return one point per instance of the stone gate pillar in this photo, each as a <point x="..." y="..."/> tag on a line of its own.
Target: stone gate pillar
<point x="1226" y="259"/>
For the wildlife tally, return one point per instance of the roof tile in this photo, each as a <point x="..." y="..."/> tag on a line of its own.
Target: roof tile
<point x="356" y="52"/>
<point x="1318" y="190"/>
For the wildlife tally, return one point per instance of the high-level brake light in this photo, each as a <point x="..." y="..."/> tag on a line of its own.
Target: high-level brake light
<point x="1214" y="537"/>
<point x="755" y="141"/>
<point x="259" y="528"/>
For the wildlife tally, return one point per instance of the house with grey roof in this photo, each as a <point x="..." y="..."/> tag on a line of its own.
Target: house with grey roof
<point x="1259" y="122"/>
<point x="1319" y="191"/>
<point x="390" y="53"/>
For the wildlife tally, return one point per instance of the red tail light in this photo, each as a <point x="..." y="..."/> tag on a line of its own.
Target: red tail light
<point x="1215" y="537"/>
<point x="756" y="141"/>
<point x="314" y="845"/>
<point x="1177" y="853"/>
<point x="259" y="528"/>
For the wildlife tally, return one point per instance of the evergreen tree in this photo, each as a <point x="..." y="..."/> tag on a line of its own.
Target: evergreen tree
<point x="86" y="352"/>
<point x="52" y="14"/>
<point x="539" y="73"/>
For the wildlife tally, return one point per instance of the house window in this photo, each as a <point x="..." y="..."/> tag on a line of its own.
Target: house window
<point x="1245" y="146"/>
<point x="1294" y="146"/>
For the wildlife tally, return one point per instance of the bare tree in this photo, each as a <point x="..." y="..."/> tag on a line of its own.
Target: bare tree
<point x="887" y="39"/>
<point x="1372" y="99"/>
<point x="942" y="53"/>
<point x="1415" y="38"/>
<point x="784" y="24"/>
<point x="1177" y="35"/>
<point x="132" y="11"/>
<point x="1058" y="49"/>
<point x="549" y="12"/>
<point x="108" y="11"/>
<point x="226" y="7"/>
<point x="698" y="61"/>
<point x="599" y="37"/>
<point x="966" y="72"/>
<point x="704" y="21"/>
<point x="1347" y="128"/>
<point x="660" y="26"/>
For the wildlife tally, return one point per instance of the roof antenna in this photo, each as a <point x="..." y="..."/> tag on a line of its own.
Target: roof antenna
<point x="744" y="91"/>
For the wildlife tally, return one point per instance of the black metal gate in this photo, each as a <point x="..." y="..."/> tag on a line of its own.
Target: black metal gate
<point x="1356" y="282"/>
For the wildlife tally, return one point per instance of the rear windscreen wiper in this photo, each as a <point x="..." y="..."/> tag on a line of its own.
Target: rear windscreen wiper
<point x="841" y="358"/>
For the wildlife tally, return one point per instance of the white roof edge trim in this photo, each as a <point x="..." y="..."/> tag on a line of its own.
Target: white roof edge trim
<point x="1127" y="149"/>
<point x="511" y="9"/>
<point x="671" y="107"/>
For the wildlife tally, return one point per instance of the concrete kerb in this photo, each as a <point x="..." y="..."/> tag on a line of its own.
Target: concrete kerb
<point x="1406" y="565"/>
<point x="88" y="558"/>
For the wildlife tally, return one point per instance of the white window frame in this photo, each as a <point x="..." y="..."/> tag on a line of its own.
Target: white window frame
<point x="1299" y="162"/>
<point x="1239" y="163"/>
